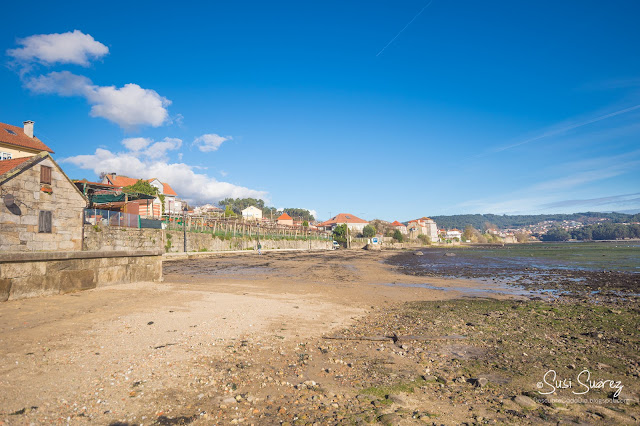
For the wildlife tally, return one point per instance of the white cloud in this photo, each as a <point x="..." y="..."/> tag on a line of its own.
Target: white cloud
<point x="136" y="144"/>
<point x="146" y="158"/>
<point x="223" y="173"/>
<point x="128" y="106"/>
<point x="61" y="83"/>
<point x="158" y="150"/>
<point x="210" y="142"/>
<point x="66" y="48"/>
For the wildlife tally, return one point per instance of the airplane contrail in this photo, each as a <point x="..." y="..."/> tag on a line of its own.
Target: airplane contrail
<point x="405" y="27"/>
<point x="571" y="127"/>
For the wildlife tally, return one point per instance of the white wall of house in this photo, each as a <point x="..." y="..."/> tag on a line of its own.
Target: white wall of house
<point x="252" y="213"/>
<point x="13" y="151"/>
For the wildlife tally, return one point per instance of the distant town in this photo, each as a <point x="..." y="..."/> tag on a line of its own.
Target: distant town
<point x="149" y="202"/>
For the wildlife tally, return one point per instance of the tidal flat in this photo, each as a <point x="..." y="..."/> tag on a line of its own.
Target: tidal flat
<point x="319" y="338"/>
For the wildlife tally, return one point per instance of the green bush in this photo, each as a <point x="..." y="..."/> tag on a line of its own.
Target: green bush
<point x="369" y="231"/>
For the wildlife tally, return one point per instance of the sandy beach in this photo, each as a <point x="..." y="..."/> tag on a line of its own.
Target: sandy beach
<point x="293" y="338"/>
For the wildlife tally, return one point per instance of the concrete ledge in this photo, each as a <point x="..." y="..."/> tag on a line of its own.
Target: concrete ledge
<point x="24" y="275"/>
<point x="68" y="255"/>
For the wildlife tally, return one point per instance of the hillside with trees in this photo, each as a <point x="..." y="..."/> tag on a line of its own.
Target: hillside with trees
<point x="604" y="231"/>
<point x="479" y="221"/>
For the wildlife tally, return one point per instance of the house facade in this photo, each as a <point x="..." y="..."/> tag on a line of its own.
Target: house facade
<point x="252" y="213"/>
<point x="285" y="219"/>
<point x="453" y="234"/>
<point x="19" y="142"/>
<point x="40" y="209"/>
<point x="353" y="222"/>
<point x="423" y="226"/>
<point x="400" y="227"/>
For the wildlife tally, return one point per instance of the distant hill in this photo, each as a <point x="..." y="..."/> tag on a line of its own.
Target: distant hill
<point x="517" y="221"/>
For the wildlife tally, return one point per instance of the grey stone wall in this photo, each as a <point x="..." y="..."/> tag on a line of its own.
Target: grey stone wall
<point x="24" y="275"/>
<point x="114" y="238"/>
<point x="207" y="242"/>
<point x="106" y="238"/>
<point x="19" y="225"/>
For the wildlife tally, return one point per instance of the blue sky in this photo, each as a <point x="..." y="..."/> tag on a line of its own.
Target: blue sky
<point x="381" y="109"/>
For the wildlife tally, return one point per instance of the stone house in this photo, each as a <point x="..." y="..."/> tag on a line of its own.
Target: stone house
<point x="19" y="142"/>
<point x="41" y="208"/>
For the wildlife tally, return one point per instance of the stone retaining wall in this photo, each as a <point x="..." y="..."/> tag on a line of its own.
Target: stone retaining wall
<point x="24" y="275"/>
<point x="115" y="238"/>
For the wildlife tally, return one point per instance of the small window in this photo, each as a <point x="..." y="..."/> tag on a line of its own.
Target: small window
<point x="5" y="156"/>
<point x="11" y="132"/>
<point x="45" y="174"/>
<point x="44" y="222"/>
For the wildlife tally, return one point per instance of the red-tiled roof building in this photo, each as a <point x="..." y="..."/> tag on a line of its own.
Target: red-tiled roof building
<point x="19" y="142"/>
<point x="171" y="204"/>
<point x="285" y="219"/>
<point x="353" y="222"/>
<point x="399" y="226"/>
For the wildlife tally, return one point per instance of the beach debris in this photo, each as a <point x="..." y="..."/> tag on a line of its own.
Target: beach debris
<point x="525" y="401"/>
<point x="481" y="382"/>
<point x="449" y="254"/>
<point x="418" y="253"/>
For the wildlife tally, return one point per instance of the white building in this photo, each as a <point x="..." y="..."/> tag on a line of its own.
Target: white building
<point x="252" y="213"/>
<point x="423" y="226"/>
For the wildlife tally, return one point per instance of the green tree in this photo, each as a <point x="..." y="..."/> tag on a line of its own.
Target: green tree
<point x="228" y="212"/>
<point x="305" y="224"/>
<point x="469" y="233"/>
<point x="369" y="231"/>
<point x="340" y="233"/>
<point x="397" y="235"/>
<point x="556" y="234"/>
<point x="144" y="187"/>
<point x="239" y="204"/>
<point x="299" y="213"/>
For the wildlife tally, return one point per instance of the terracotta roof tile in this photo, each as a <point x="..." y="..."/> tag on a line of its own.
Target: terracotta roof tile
<point x="396" y="223"/>
<point x="342" y="218"/>
<point x="168" y="190"/>
<point x="123" y="181"/>
<point x="285" y="216"/>
<point x="6" y="165"/>
<point x="20" y="139"/>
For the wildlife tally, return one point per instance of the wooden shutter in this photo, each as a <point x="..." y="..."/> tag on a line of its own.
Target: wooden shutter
<point x="44" y="222"/>
<point x="45" y="174"/>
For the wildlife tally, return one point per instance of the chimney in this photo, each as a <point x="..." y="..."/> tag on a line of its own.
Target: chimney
<point x="28" y="128"/>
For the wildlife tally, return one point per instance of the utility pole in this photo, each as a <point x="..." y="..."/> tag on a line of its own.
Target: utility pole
<point x="184" y="227"/>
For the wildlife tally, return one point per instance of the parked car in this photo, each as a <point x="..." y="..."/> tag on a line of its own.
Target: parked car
<point x="336" y="245"/>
